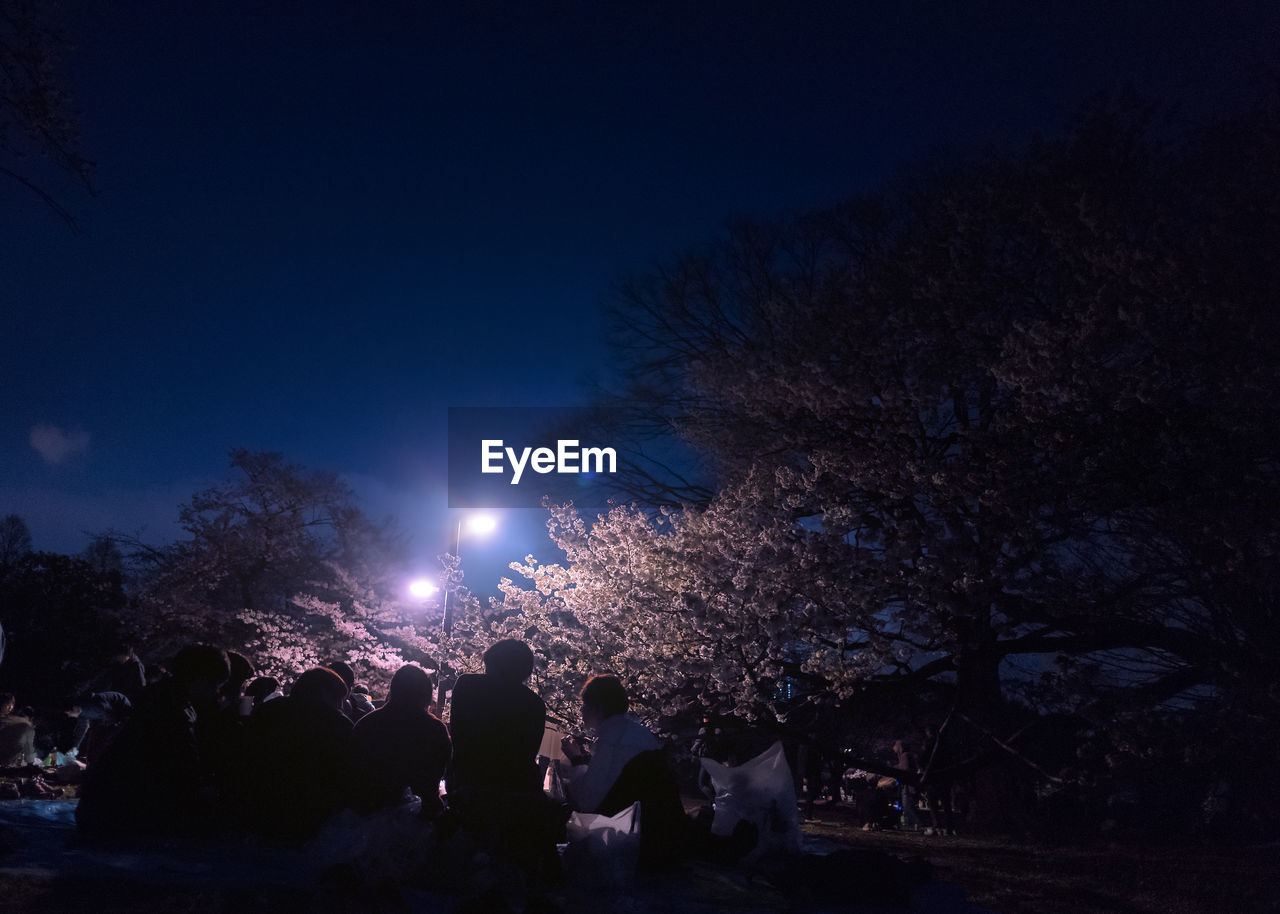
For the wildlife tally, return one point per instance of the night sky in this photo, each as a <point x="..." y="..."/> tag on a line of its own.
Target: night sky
<point x="320" y="224"/>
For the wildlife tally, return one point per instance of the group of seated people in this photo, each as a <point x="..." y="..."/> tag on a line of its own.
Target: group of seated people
<point x="202" y="755"/>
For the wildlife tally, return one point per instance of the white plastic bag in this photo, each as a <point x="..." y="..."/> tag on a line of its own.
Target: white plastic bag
<point x="608" y="831"/>
<point x="761" y="791"/>
<point x="603" y="850"/>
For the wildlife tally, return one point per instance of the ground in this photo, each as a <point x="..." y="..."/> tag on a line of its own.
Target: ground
<point x="41" y="872"/>
<point x="1100" y="877"/>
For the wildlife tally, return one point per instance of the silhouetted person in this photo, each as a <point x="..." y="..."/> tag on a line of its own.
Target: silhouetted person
<point x="220" y="735"/>
<point x="301" y="760"/>
<point x="497" y="725"/>
<point x="150" y="780"/>
<point x="124" y="674"/>
<point x="402" y="747"/>
<point x="494" y="781"/>
<point x="938" y="773"/>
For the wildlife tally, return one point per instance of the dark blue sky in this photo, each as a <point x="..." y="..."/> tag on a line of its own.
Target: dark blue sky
<point x="320" y="224"/>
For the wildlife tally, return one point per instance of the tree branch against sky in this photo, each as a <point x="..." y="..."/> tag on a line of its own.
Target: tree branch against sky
<point x="37" y="127"/>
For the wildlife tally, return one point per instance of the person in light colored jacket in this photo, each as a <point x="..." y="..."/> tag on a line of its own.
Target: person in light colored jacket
<point x="619" y="738"/>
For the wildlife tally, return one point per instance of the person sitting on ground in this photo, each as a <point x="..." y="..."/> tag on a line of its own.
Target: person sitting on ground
<point x="220" y="734"/>
<point x="17" y="735"/>
<point x="402" y="747"/>
<point x="626" y="766"/>
<point x="620" y="737"/>
<point x="497" y="725"/>
<point x="300" y="759"/>
<point x="494" y="783"/>
<point x="150" y="780"/>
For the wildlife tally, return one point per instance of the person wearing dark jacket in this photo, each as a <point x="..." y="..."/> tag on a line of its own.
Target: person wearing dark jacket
<point x="301" y="757"/>
<point x="497" y="724"/>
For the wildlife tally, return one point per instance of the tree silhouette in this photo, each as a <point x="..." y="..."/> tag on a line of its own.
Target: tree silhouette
<point x="35" y="123"/>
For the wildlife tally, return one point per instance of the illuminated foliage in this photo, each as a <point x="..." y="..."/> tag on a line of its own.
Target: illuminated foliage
<point x="1007" y="431"/>
<point x="281" y="564"/>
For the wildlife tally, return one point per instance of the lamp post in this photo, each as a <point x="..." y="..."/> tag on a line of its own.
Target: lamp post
<point x="479" y="524"/>
<point x="476" y="523"/>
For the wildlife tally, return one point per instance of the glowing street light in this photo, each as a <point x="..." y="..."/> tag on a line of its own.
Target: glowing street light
<point x="479" y="524"/>
<point x="422" y="588"/>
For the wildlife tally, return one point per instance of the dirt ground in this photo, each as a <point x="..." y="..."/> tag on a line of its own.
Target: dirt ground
<point x="1103" y="877"/>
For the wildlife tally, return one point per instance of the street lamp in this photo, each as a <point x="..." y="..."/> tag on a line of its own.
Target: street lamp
<point x="422" y="588"/>
<point x="479" y="524"/>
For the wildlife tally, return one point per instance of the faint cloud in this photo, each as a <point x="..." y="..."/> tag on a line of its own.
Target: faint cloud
<point x="56" y="445"/>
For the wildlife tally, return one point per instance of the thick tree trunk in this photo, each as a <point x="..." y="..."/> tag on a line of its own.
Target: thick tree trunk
<point x="997" y="786"/>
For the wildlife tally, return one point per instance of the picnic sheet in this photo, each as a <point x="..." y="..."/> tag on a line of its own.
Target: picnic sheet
<point x="38" y="838"/>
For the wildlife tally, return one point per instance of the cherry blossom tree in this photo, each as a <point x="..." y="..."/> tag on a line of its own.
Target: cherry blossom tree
<point x="1008" y="429"/>
<point x="281" y="563"/>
